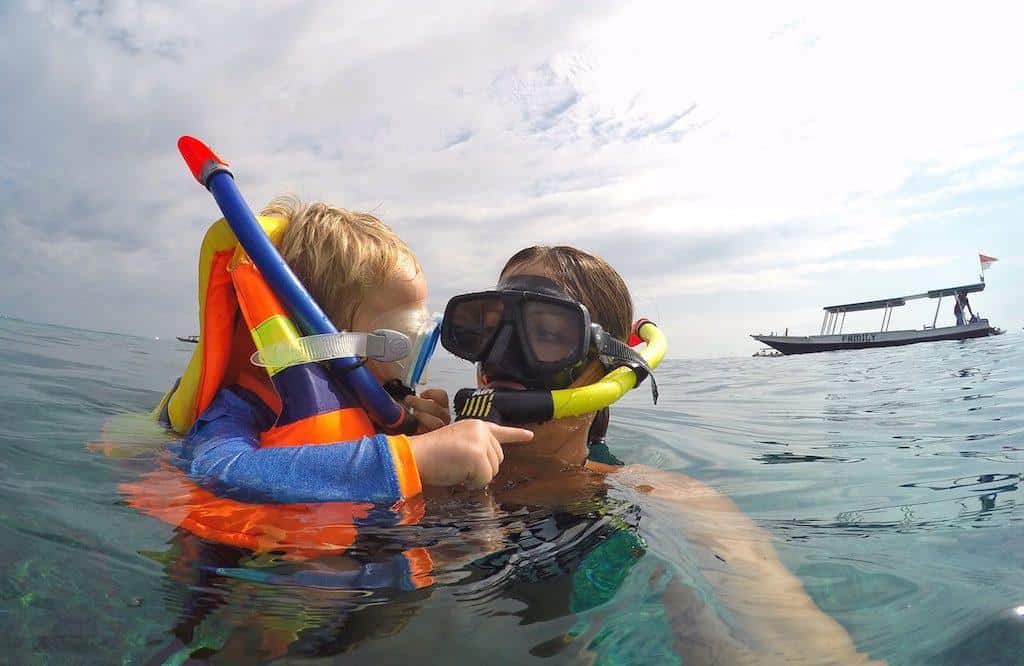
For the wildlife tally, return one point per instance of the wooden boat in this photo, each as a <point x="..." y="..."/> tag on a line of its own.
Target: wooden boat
<point x="832" y="337"/>
<point x="188" y="338"/>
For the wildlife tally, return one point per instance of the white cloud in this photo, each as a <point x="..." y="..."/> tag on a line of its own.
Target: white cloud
<point x="777" y="279"/>
<point x="773" y="137"/>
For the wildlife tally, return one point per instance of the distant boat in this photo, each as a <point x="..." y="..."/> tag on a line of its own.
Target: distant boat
<point x="188" y="338"/>
<point x="831" y="339"/>
<point x="766" y="352"/>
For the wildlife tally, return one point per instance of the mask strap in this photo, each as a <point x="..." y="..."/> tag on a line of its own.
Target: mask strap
<point x="614" y="354"/>
<point x="599" y="428"/>
<point x="381" y="345"/>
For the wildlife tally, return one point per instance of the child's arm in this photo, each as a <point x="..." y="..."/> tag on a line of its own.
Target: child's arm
<point x="467" y="452"/>
<point x="221" y="452"/>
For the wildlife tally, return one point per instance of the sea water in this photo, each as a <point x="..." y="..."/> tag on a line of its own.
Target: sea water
<point x="889" y="481"/>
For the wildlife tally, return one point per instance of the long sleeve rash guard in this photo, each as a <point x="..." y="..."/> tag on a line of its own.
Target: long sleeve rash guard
<point x="222" y="453"/>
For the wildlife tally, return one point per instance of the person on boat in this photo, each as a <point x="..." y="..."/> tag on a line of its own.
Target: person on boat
<point x="958" y="308"/>
<point x="568" y="460"/>
<point x="967" y="306"/>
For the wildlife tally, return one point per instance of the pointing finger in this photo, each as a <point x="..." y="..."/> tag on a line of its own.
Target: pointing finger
<point x="506" y="434"/>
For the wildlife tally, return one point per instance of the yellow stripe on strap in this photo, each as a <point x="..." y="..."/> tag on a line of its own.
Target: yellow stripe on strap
<point x="275" y="330"/>
<point x="478" y="406"/>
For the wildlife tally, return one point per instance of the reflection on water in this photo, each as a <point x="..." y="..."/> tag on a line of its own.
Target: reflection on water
<point x="889" y="480"/>
<point x="515" y="564"/>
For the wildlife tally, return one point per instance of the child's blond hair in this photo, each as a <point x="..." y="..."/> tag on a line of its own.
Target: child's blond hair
<point x="338" y="254"/>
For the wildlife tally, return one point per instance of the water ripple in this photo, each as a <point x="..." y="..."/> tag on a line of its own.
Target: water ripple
<point x="889" y="481"/>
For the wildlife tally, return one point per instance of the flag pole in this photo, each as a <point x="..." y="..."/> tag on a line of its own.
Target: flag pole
<point x="986" y="263"/>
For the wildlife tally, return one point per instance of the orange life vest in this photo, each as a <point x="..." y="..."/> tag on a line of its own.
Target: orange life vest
<point x="233" y="285"/>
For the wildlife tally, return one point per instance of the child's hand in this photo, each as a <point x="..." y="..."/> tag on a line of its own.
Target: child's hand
<point x="465" y="452"/>
<point x="430" y="409"/>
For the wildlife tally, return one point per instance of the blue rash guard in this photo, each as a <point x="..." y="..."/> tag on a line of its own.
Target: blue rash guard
<point x="221" y="452"/>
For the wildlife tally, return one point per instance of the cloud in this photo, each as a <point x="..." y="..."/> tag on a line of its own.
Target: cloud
<point x="777" y="279"/>
<point x="697" y="152"/>
<point x="460" y="138"/>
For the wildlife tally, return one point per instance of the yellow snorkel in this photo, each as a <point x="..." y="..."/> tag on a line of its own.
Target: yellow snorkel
<point x="512" y="407"/>
<point x="614" y="385"/>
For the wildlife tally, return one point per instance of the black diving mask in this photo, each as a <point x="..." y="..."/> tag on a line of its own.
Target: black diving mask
<point x="527" y="331"/>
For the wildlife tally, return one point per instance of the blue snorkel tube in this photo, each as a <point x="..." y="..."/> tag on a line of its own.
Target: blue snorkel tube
<point x="212" y="172"/>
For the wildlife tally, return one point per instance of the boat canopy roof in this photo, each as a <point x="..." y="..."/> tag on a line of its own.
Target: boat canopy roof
<point x="949" y="291"/>
<point x="868" y="305"/>
<point x="902" y="300"/>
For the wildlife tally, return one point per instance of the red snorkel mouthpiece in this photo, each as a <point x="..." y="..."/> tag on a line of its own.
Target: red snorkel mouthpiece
<point x="201" y="160"/>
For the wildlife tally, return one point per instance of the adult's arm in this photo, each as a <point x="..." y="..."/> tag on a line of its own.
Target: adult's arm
<point x="773" y="618"/>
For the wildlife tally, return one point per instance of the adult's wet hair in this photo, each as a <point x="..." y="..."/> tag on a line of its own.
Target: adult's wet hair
<point x="586" y="278"/>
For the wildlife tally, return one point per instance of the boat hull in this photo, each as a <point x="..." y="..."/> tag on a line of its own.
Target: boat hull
<point x="809" y="344"/>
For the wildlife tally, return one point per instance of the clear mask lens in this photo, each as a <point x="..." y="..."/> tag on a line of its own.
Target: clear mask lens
<point x="423" y="348"/>
<point x="423" y="330"/>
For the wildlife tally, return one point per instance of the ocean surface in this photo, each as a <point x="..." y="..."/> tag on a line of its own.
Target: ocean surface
<point x="887" y="480"/>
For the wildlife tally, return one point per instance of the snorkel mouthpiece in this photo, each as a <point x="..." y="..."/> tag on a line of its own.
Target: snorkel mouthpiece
<point x="505" y="407"/>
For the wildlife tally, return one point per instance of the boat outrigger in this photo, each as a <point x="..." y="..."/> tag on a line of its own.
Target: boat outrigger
<point x="832" y="337"/>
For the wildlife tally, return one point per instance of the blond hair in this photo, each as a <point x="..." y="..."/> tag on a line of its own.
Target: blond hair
<point x="586" y="278"/>
<point x="338" y="254"/>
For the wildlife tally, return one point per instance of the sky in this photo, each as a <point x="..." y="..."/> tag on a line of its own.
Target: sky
<point x="741" y="164"/>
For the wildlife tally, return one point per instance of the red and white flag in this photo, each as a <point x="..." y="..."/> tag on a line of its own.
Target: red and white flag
<point x="986" y="261"/>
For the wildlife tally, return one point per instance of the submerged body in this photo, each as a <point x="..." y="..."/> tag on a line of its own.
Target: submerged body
<point x="575" y="556"/>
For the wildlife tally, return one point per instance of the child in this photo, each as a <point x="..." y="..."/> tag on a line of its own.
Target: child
<point x="237" y="449"/>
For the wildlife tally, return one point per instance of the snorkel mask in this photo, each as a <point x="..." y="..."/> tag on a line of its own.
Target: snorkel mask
<point x="405" y="338"/>
<point x="528" y="337"/>
<point x="422" y="330"/>
<point x="527" y="332"/>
